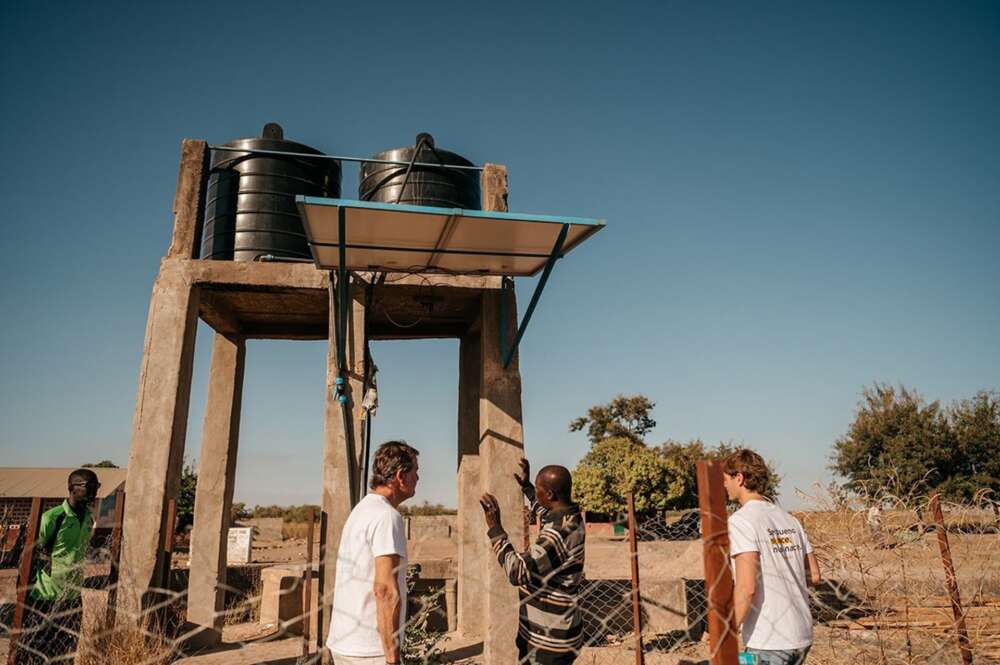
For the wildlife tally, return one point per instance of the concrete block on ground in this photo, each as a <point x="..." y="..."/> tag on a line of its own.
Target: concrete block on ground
<point x="239" y="544"/>
<point x="281" y="598"/>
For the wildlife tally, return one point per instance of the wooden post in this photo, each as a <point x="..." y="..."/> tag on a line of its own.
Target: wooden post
<point x="321" y="582"/>
<point x="24" y="577"/>
<point x="168" y="543"/>
<point x="722" y="628"/>
<point x="633" y="549"/>
<point x="307" y="580"/>
<point x="952" y="582"/>
<point x="114" y="556"/>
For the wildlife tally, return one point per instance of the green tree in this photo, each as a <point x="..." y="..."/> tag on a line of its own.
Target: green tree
<point x="685" y="456"/>
<point x="103" y="464"/>
<point x="618" y="465"/>
<point x="185" y="496"/>
<point x="624" y="416"/>
<point x="975" y="425"/>
<point x="897" y="443"/>
<point x="238" y="511"/>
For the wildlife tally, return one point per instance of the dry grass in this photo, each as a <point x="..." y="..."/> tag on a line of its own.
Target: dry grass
<point x="890" y="604"/>
<point x="293" y="530"/>
<point x="245" y="608"/>
<point x="126" y="644"/>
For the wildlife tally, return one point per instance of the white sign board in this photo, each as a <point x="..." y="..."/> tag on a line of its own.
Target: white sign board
<point x="240" y="542"/>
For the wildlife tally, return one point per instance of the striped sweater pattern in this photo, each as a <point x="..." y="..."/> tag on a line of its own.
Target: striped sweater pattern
<point x="549" y="577"/>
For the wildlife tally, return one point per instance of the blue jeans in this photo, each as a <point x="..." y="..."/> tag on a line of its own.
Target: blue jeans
<point x="782" y="657"/>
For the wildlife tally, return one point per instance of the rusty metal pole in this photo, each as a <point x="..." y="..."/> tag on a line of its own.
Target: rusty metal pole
<point x="307" y="581"/>
<point x="633" y="548"/>
<point x="718" y="576"/>
<point x="115" y="556"/>
<point x="952" y="582"/>
<point x="24" y="577"/>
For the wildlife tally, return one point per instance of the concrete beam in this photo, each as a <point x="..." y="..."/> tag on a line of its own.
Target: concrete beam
<point x="218" y="314"/>
<point x="189" y="200"/>
<point x="306" y="276"/>
<point x="342" y="450"/>
<point x="158" y="432"/>
<point x="214" y="498"/>
<point x="501" y="446"/>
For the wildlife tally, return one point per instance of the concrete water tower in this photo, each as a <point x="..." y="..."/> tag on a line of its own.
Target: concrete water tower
<point x="360" y="252"/>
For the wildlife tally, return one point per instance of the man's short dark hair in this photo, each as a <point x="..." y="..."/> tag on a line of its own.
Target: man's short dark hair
<point x="391" y="458"/>
<point x="82" y="476"/>
<point x="753" y="467"/>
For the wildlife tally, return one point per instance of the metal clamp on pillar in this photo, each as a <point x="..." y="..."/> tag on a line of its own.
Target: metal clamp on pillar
<point x="554" y="255"/>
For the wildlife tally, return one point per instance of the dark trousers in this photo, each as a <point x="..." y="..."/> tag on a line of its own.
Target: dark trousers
<point x="50" y="632"/>
<point x="529" y="655"/>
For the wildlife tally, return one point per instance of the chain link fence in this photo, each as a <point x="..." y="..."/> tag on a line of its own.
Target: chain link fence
<point x="886" y="597"/>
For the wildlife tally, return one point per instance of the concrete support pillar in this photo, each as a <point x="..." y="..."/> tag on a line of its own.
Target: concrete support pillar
<point x="214" y="498"/>
<point x="472" y="545"/>
<point x="473" y="549"/>
<point x="342" y="450"/>
<point x="158" y="432"/>
<point x="501" y="446"/>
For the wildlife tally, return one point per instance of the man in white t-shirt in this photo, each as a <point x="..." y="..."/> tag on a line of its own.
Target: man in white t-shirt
<point x="773" y="562"/>
<point x="369" y="597"/>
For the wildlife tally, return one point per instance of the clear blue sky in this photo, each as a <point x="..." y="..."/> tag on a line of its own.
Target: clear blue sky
<point x="801" y="197"/>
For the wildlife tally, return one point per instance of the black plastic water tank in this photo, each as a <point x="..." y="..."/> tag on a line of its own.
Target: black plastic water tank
<point x="426" y="185"/>
<point x="250" y="202"/>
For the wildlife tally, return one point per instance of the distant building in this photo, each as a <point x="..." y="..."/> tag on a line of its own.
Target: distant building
<point x="19" y="485"/>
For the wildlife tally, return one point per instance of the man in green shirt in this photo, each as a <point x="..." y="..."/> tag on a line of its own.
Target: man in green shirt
<point x="55" y="609"/>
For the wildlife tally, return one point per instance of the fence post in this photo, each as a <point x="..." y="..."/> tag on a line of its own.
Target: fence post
<point x="640" y="658"/>
<point x="307" y="580"/>
<point x="718" y="576"/>
<point x="321" y="582"/>
<point x="168" y="543"/>
<point x="115" y="556"/>
<point x="24" y="577"/>
<point x="951" y="581"/>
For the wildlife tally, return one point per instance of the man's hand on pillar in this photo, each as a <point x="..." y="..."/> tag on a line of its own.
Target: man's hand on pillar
<point x="491" y="509"/>
<point x="524" y="478"/>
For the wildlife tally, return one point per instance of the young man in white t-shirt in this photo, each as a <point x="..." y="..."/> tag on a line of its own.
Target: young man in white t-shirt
<point x="774" y="563"/>
<point x="369" y="597"/>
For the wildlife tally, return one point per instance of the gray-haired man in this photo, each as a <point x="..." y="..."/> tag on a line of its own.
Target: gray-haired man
<point x="369" y="599"/>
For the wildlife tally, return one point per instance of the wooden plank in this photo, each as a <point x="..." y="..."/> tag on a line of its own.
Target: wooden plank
<point x="722" y="628"/>
<point x="307" y="580"/>
<point x="24" y="577"/>
<point x="168" y="543"/>
<point x="115" y="556"/>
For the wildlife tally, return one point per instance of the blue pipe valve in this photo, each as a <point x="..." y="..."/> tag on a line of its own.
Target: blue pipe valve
<point x="338" y="390"/>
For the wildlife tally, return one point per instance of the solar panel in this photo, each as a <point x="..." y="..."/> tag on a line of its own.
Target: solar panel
<point x="401" y="238"/>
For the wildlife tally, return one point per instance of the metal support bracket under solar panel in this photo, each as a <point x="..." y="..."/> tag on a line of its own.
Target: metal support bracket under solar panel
<point x="407" y="238"/>
<point x="555" y="255"/>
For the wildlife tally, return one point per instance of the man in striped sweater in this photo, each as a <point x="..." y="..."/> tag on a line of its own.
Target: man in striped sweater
<point x="549" y="574"/>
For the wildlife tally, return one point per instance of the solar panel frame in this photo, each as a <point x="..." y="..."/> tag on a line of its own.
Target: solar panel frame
<point x="400" y="237"/>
